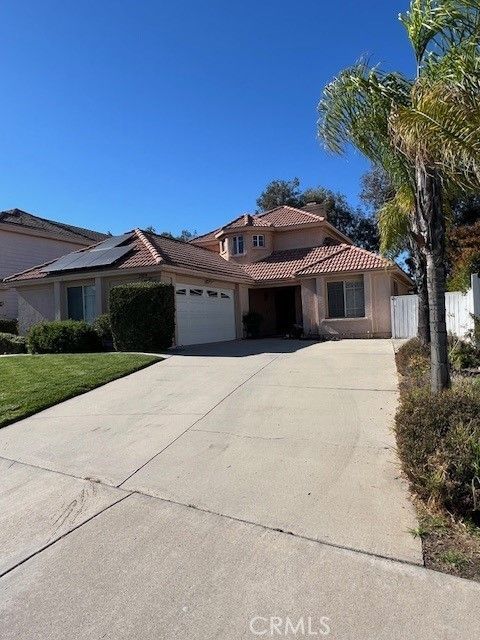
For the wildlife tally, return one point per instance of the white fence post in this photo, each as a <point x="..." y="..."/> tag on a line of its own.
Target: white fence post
<point x="475" y="280"/>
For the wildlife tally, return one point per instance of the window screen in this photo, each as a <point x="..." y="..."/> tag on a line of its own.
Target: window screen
<point x="354" y="299"/>
<point x="89" y="303"/>
<point x="75" y="303"/>
<point x="336" y="300"/>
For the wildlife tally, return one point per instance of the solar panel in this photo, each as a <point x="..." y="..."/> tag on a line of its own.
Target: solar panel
<point x="86" y="259"/>
<point x="112" y="242"/>
<point x="109" y="256"/>
<point x="63" y="263"/>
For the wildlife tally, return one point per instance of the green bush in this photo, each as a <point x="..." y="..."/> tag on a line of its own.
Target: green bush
<point x="464" y="355"/>
<point x="63" y="336"/>
<point x="438" y="438"/>
<point x="11" y="343"/>
<point x="142" y="316"/>
<point x="7" y="325"/>
<point x="252" y="321"/>
<point x="103" y="328"/>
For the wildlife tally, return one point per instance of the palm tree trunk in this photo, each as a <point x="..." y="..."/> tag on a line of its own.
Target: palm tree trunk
<point x="432" y="229"/>
<point x="422" y="291"/>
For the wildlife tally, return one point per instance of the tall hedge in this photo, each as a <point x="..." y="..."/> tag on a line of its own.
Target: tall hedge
<point x="142" y="316"/>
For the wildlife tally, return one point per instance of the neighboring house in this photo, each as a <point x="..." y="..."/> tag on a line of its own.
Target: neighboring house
<point x="26" y="240"/>
<point x="290" y="265"/>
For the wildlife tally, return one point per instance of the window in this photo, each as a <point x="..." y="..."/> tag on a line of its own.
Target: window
<point x="346" y="299"/>
<point x="196" y="292"/>
<point x="222" y="246"/>
<point x="258" y="241"/>
<point x="237" y="245"/>
<point x="181" y="292"/>
<point x="212" y="294"/>
<point x="81" y="303"/>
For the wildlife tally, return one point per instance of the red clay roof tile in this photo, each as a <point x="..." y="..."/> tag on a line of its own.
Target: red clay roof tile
<point x="315" y="260"/>
<point x="150" y="250"/>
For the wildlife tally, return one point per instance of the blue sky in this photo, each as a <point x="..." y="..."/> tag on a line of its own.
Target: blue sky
<point x="116" y="114"/>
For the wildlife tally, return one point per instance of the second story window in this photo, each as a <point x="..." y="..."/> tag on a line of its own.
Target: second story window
<point x="258" y="241"/>
<point x="237" y="245"/>
<point x="222" y="245"/>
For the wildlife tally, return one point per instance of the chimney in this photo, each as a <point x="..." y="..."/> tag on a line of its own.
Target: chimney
<point x="316" y="208"/>
<point x="247" y="220"/>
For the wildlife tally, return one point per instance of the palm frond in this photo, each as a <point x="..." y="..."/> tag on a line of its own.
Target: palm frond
<point x="394" y="222"/>
<point x="355" y="109"/>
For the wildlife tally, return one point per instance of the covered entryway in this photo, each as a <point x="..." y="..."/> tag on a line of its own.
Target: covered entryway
<point x="280" y="308"/>
<point x="204" y="314"/>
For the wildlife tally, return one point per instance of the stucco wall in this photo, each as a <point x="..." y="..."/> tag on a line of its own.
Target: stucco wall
<point x="299" y="238"/>
<point x="376" y="323"/>
<point x="251" y="253"/>
<point x="35" y="304"/>
<point x="19" y="251"/>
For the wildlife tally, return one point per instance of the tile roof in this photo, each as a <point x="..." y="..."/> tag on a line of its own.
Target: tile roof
<point x="150" y="250"/>
<point x="56" y="229"/>
<point x="283" y="216"/>
<point x="315" y="260"/>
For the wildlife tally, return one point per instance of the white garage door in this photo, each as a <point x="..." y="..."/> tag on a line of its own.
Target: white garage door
<point x="204" y="314"/>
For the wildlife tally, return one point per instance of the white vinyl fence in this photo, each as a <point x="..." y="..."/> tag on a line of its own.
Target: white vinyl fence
<point x="460" y="308"/>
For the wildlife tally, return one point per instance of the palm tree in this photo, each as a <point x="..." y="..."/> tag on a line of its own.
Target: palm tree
<point x="424" y="132"/>
<point x="396" y="236"/>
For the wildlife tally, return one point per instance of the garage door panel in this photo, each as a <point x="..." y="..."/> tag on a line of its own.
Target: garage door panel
<point x="204" y="314"/>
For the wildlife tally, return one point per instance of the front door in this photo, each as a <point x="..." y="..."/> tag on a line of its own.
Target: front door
<point x="285" y="309"/>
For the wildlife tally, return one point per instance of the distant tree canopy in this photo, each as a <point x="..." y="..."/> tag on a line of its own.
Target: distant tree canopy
<point x="185" y="235"/>
<point x="356" y="224"/>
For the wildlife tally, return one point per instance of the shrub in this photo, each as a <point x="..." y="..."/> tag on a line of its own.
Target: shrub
<point x="412" y="353"/>
<point x="11" y="343"/>
<point x="142" y="316"/>
<point x="63" y="336"/>
<point x="438" y="437"/>
<point x="464" y="355"/>
<point x="104" y="330"/>
<point x="8" y="325"/>
<point x="252" y="321"/>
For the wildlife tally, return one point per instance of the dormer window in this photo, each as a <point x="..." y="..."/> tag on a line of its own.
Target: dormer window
<point x="258" y="241"/>
<point x="237" y="245"/>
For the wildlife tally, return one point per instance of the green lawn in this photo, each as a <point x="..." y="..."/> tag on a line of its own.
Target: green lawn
<point x="31" y="383"/>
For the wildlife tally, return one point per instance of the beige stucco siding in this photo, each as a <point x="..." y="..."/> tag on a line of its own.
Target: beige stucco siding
<point x="375" y="323"/>
<point x="299" y="238"/>
<point x="20" y="251"/>
<point x="35" y="304"/>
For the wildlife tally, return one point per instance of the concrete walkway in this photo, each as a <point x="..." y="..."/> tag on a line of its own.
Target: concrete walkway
<point x="227" y="484"/>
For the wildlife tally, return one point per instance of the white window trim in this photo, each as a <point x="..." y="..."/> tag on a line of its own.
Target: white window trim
<point x="256" y="239"/>
<point x="349" y="318"/>
<point x="234" y="252"/>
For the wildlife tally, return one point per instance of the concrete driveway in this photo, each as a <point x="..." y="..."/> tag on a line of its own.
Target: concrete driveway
<point x="228" y="483"/>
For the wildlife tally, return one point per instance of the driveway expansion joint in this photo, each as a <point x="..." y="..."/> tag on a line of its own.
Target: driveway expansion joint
<point x="200" y="418"/>
<point x="319" y="541"/>
<point x="63" y="535"/>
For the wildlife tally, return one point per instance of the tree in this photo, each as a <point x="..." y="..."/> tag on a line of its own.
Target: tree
<point x="424" y="132"/>
<point x="356" y="224"/>
<point x="185" y="234"/>
<point x="280" y="192"/>
<point x="396" y="237"/>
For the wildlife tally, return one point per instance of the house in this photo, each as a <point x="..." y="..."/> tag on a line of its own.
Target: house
<point x="27" y="240"/>
<point x="290" y="265"/>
